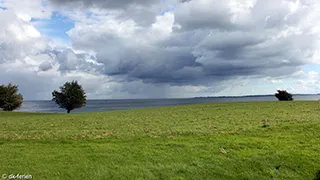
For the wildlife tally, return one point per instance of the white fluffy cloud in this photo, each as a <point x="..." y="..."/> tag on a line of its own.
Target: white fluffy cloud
<point x="28" y="9"/>
<point x="19" y="40"/>
<point x="28" y="60"/>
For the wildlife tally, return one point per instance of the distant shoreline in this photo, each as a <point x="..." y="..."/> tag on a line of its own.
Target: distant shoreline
<point x="266" y="95"/>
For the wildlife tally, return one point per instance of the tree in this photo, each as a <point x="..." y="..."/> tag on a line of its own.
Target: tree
<point x="283" y="96"/>
<point x="9" y="97"/>
<point x="72" y="96"/>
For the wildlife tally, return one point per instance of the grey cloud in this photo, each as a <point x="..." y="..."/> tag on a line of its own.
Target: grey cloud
<point x="45" y="66"/>
<point x="7" y="52"/>
<point x="198" y="58"/>
<point x="206" y="15"/>
<point x="261" y="15"/>
<point x="67" y="60"/>
<point x="231" y="39"/>
<point x="143" y="12"/>
<point x="110" y="4"/>
<point x="144" y="16"/>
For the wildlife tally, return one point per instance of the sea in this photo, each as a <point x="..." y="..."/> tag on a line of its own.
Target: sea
<point x="123" y="104"/>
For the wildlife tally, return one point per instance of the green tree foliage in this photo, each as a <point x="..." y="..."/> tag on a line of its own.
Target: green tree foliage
<point x="283" y="96"/>
<point x="72" y="96"/>
<point x="9" y="97"/>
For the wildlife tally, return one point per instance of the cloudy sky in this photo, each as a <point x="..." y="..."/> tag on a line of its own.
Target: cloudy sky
<point x="160" y="48"/>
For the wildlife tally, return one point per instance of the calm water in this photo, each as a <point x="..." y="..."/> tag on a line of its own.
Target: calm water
<point x="108" y="105"/>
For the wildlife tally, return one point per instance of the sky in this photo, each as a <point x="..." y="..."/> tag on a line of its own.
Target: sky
<point x="160" y="48"/>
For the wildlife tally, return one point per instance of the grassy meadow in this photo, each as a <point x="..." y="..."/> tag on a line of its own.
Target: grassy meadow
<point x="245" y="140"/>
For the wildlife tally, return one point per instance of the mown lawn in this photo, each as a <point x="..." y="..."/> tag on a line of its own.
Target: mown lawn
<point x="253" y="140"/>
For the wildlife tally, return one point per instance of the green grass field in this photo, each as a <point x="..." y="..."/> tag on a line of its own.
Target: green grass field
<point x="254" y="140"/>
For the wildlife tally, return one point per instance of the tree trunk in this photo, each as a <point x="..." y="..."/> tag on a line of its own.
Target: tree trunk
<point x="68" y="110"/>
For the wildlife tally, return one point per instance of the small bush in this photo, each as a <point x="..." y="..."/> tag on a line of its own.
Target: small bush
<point x="9" y="97"/>
<point x="283" y="96"/>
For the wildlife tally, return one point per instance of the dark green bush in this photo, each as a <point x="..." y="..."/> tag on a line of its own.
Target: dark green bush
<point x="283" y="96"/>
<point x="9" y="97"/>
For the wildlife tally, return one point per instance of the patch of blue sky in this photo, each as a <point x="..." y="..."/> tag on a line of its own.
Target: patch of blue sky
<point x="167" y="7"/>
<point x="311" y="67"/>
<point x="95" y="16"/>
<point x="2" y="7"/>
<point x="44" y="3"/>
<point x="55" y="27"/>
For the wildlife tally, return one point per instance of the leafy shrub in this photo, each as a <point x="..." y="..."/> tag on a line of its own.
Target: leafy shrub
<point x="283" y="96"/>
<point x="9" y="97"/>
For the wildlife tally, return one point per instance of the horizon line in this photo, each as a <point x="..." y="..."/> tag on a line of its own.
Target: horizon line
<point x="187" y="97"/>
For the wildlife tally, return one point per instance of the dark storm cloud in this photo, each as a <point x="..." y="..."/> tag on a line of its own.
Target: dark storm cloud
<point x="171" y="67"/>
<point x="200" y="57"/>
